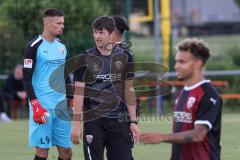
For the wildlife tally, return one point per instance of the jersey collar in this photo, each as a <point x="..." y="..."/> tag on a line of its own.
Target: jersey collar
<point x="188" y="88"/>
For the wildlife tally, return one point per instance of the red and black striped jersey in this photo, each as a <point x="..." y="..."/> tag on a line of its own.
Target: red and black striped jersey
<point x="198" y="104"/>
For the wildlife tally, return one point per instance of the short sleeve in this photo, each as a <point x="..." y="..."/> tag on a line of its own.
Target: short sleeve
<point x="129" y="72"/>
<point x="81" y="68"/>
<point x="209" y="111"/>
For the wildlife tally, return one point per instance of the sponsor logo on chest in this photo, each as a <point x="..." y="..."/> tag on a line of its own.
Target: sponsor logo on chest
<point x="109" y="77"/>
<point x="180" y="116"/>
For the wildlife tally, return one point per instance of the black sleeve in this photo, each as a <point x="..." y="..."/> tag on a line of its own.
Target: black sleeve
<point x="210" y="110"/>
<point x="29" y="61"/>
<point x="80" y="71"/>
<point x="129" y="72"/>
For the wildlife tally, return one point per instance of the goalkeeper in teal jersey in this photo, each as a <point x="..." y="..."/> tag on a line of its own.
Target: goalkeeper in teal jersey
<point x="43" y="71"/>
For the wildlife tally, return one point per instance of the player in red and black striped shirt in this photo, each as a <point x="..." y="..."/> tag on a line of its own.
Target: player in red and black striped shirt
<point x="197" y="111"/>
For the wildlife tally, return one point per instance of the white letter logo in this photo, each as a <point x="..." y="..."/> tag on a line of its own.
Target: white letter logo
<point x="213" y="100"/>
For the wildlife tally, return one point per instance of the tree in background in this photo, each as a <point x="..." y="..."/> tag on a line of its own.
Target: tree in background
<point x="22" y="20"/>
<point x="237" y="2"/>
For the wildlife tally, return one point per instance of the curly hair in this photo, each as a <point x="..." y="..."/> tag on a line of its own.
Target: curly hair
<point x="198" y="48"/>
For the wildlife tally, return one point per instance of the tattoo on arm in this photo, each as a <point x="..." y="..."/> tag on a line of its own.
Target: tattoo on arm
<point x="187" y="139"/>
<point x="182" y="137"/>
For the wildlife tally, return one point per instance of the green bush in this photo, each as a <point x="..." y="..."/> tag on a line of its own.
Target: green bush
<point x="21" y="20"/>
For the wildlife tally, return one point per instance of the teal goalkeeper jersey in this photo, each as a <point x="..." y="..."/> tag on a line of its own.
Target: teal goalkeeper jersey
<point x="43" y="71"/>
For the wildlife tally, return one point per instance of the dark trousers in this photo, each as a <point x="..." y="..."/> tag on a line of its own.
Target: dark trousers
<point x="10" y="103"/>
<point x="109" y="133"/>
<point x="4" y="97"/>
<point x="1" y="105"/>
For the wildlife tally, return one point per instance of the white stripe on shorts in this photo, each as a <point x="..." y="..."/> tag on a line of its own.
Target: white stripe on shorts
<point x="89" y="154"/>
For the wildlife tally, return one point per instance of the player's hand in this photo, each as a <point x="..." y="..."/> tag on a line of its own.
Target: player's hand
<point x="76" y="134"/>
<point x="135" y="131"/>
<point x="22" y="95"/>
<point x="39" y="113"/>
<point x="151" y="138"/>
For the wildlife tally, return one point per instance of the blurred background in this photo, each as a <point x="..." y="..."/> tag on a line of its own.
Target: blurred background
<point x="156" y="26"/>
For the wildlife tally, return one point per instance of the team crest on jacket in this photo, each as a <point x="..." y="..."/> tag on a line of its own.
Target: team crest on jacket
<point x="96" y="67"/>
<point x="89" y="138"/>
<point x="61" y="50"/>
<point x="191" y="101"/>
<point x="119" y="65"/>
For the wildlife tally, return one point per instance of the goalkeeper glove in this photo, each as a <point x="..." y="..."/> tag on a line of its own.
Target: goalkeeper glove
<point x="39" y="113"/>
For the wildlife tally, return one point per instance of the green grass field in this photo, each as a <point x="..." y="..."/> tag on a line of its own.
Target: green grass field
<point x="14" y="141"/>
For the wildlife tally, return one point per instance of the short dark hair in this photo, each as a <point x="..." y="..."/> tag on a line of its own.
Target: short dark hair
<point x="198" y="48"/>
<point x="52" y="12"/>
<point x="121" y="24"/>
<point x="104" y="22"/>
